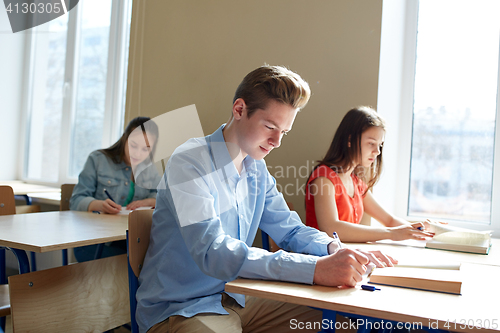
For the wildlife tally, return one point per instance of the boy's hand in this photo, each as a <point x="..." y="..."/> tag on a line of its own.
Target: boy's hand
<point x="344" y="268"/>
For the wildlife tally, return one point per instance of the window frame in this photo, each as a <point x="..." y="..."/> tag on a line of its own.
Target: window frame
<point x="115" y="87"/>
<point x="396" y="77"/>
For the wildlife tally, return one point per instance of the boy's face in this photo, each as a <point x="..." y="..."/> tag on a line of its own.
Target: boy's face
<point x="263" y="131"/>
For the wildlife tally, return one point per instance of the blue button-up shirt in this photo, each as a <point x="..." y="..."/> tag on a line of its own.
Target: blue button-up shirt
<point x="204" y="225"/>
<point x="100" y="173"/>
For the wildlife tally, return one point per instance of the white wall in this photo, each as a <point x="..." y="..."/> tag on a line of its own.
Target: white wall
<point x="11" y="79"/>
<point x="185" y="52"/>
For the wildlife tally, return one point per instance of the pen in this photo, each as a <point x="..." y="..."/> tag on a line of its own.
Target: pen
<point x="109" y="195"/>
<point x="337" y="239"/>
<point x="369" y="288"/>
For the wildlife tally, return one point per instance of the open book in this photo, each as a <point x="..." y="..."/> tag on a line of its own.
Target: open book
<point x="446" y="278"/>
<point x="459" y="239"/>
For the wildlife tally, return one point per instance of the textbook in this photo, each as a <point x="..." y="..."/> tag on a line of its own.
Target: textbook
<point x="459" y="239"/>
<point x="446" y="279"/>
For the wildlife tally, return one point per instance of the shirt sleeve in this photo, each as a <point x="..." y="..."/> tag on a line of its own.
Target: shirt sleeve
<point x="196" y="197"/>
<point x="85" y="189"/>
<point x="286" y="228"/>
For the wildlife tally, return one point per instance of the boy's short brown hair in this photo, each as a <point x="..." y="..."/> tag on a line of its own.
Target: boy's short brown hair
<point x="272" y="83"/>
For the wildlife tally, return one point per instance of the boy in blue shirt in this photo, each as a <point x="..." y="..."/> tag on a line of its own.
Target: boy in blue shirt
<point x="215" y="194"/>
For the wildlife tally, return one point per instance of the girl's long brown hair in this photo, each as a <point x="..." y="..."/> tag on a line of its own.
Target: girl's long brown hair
<point x="345" y="149"/>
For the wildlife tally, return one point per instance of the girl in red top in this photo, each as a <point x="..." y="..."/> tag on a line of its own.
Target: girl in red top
<point x="337" y="192"/>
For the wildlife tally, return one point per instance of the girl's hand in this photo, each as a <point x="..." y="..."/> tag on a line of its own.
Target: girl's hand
<point x="412" y="231"/>
<point x="150" y="202"/>
<point x="379" y="259"/>
<point x="108" y="206"/>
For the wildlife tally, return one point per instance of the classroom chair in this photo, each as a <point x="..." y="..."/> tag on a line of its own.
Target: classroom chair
<point x="7" y="207"/>
<point x="66" y="192"/>
<point x="139" y="229"/>
<point x="10" y="208"/>
<point x="85" y="297"/>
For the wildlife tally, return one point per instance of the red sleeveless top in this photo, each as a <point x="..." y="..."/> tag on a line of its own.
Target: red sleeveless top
<point x="350" y="209"/>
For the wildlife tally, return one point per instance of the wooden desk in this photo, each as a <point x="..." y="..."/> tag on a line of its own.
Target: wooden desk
<point x="22" y="188"/>
<point x="50" y="231"/>
<point x="477" y="305"/>
<point x="26" y="189"/>
<point x="48" y="198"/>
<point x="418" y="252"/>
<point x="97" y="289"/>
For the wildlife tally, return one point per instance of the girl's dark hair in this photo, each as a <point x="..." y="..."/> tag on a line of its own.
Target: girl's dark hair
<point x="117" y="151"/>
<point x="342" y="156"/>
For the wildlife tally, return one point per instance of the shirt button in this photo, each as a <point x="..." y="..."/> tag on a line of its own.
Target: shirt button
<point x="126" y="169"/>
<point x="241" y="217"/>
<point x="109" y="181"/>
<point x="126" y="183"/>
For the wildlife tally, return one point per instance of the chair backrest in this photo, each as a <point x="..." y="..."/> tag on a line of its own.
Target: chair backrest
<point x="139" y="229"/>
<point x="66" y="192"/>
<point x="7" y="201"/>
<point x="90" y="297"/>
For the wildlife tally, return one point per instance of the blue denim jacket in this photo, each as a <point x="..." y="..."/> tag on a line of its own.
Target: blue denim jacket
<point x="100" y="173"/>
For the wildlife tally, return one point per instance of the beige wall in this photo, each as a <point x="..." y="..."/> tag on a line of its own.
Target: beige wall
<point x="196" y="52"/>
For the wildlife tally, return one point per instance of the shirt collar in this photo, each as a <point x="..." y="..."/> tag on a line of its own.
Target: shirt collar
<point x="222" y="159"/>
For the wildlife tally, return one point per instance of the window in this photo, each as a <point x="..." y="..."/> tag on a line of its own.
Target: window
<point x="455" y="107"/>
<point x="439" y="91"/>
<point x="76" y="83"/>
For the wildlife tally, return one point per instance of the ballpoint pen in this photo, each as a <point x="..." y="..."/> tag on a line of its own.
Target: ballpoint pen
<point x="337" y="239"/>
<point x="369" y="288"/>
<point x="109" y="195"/>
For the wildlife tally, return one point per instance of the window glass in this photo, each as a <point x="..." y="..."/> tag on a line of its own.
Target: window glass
<point x="454" y="111"/>
<point x="46" y="107"/>
<point x="91" y="84"/>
